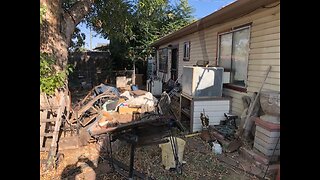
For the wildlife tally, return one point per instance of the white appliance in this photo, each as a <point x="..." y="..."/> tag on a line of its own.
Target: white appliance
<point x="202" y="81"/>
<point x="154" y="86"/>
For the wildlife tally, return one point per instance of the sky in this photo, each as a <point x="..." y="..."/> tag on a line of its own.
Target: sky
<point x="201" y="8"/>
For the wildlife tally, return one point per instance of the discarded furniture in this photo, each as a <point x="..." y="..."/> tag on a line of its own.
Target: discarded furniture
<point x="149" y="129"/>
<point x="88" y="109"/>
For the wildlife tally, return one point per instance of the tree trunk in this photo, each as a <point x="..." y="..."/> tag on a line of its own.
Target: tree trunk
<point x="55" y="35"/>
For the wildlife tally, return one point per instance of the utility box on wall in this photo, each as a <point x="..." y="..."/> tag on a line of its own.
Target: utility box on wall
<point x="202" y="81"/>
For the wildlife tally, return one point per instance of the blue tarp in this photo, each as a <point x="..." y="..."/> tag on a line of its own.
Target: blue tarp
<point x="102" y="88"/>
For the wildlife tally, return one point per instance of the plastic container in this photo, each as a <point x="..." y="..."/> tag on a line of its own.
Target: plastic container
<point x="167" y="153"/>
<point x="216" y="148"/>
<point x="109" y="105"/>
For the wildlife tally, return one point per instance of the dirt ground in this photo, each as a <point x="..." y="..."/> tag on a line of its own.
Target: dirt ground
<point x="87" y="163"/>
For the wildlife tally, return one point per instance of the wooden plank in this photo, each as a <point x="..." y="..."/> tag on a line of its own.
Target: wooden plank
<point x="267" y="152"/>
<point x="234" y="93"/>
<point x="44" y="149"/>
<point x="46" y="134"/>
<point x="266" y="145"/>
<point x="47" y="120"/>
<point x="43" y="116"/>
<point x="271" y="134"/>
<point x="49" y="107"/>
<point x="265" y="138"/>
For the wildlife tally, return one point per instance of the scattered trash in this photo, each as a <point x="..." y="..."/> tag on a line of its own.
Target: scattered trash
<point x="204" y="120"/>
<point x="167" y="153"/>
<point x="216" y="148"/>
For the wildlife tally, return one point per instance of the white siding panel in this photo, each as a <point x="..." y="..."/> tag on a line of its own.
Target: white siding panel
<point x="211" y="103"/>
<point x="266" y="25"/>
<point x="272" y="62"/>
<point x="266" y="19"/>
<point x="261" y="79"/>
<point x="270" y="43"/>
<point x="265" y="56"/>
<point x="215" y="108"/>
<point x="254" y="87"/>
<point x="275" y="49"/>
<point x="263" y="74"/>
<point x="267" y="37"/>
<point x="263" y="68"/>
<point x="266" y="31"/>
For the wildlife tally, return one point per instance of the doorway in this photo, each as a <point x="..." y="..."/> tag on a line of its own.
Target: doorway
<point x="174" y="63"/>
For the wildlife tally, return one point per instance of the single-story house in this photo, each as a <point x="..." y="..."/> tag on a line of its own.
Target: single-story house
<point x="243" y="37"/>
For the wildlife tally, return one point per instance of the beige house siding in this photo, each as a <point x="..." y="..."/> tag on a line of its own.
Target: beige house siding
<point x="264" y="51"/>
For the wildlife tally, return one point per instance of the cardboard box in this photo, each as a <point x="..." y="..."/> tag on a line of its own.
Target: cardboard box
<point x="128" y="110"/>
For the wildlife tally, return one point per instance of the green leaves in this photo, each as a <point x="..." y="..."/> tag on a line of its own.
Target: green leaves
<point x="50" y="79"/>
<point x="77" y="41"/>
<point x="43" y="10"/>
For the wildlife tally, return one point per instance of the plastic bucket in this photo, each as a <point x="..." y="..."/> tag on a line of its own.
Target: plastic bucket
<point x="167" y="153"/>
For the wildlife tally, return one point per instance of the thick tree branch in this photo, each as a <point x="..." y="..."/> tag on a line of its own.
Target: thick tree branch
<point x="80" y="9"/>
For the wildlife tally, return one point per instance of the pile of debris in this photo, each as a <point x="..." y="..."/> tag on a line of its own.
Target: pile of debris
<point x="252" y="145"/>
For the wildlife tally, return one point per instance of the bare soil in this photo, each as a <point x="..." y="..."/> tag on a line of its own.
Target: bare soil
<point x="88" y="163"/>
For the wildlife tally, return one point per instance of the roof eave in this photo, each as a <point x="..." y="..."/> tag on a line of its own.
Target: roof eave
<point x="231" y="11"/>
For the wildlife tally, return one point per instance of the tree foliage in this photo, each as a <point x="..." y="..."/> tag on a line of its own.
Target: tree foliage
<point x="77" y="41"/>
<point x="50" y="79"/>
<point x="132" y="26"/>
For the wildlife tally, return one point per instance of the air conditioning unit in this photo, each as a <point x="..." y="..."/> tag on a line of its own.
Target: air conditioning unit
<point x="202" y="81"/>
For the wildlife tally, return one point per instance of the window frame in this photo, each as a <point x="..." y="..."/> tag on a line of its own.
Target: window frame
<point x="163" y="62"/>
<point x="186" y="50"/>
<point x="233" y="30"/>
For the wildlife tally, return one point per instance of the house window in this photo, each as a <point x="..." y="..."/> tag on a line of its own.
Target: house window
<point x="186" y="51"/>
<point x="233" y="55"/>
<point x="163" y="60"/>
